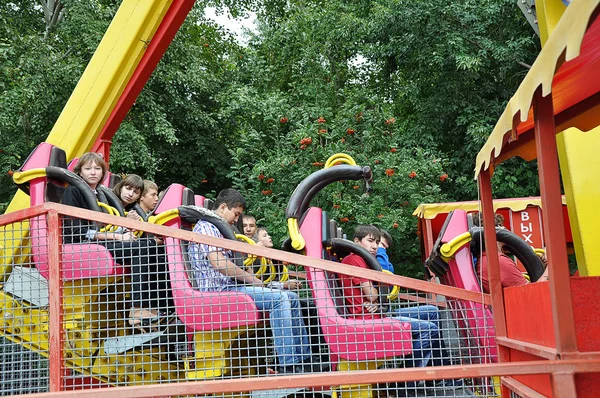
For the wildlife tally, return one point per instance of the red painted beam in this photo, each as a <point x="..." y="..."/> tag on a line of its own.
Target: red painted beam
<point x="530" y="348"/>
<point x="164" y="35"/>
<point x="554" y="231"/>
<point x="55" y="335"/>
<point x="336" y="378"/>
<point x="491" y="248"/>
<point x="521" y="389"/>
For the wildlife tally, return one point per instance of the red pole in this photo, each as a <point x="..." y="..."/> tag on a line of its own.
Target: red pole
<point x="554" y="233"/>
<point x="491" y="250"/>
<point x="56" y="295"/>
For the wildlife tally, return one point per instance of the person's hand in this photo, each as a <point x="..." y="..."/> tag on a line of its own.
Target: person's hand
<point x="132" y="214"/>
<point x="371" y="307"/>
<point x="128" y="236"/>
<point x="159" y="240"/>
<point x="292" y="284"/>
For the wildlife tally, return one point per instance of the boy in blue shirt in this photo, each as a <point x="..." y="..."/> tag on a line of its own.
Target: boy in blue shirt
<point x="382" y="257"/>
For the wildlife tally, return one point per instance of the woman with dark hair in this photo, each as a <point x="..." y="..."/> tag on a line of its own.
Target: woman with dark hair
<point x="124" y="246"/>
<point x="129" y="189"/>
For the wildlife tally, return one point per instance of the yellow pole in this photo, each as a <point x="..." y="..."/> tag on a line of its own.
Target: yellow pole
<point x="548" y="13"/>
<point x="580" y="164"/>
<point x="94" y="97"/>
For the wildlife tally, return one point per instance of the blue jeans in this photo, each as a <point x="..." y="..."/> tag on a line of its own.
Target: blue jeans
<point x="291" y="340"/>
<point x="427" y="339"/>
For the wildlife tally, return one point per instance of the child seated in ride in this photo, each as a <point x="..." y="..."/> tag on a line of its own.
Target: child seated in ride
<point x="124" y="246"/>
<point x="309" y="310"/>
<point x="129" y="191"/>
<point x="510" y="274"/>
<point x="382" y="256"/>
<point x="362" y="299"/>
<point x="262" y="238"/>
<point x="248" y="225"/>
<point x="216" y="272"/>
<point x="149" y="198"/>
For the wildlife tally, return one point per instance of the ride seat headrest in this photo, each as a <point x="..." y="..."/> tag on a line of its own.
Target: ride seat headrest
<point x="193" y="214"/>
<point x="209" y="204"/>
<point x="188" y="197"/>
<point x="113" y="180"/>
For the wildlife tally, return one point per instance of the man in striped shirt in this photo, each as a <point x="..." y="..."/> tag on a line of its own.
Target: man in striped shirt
<point x="215" y="272"/>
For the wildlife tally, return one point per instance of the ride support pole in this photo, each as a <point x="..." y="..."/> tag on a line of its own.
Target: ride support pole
<point x="491" y="249"/>
<point x="55" y="335"/>
<point x="554" y="233"/>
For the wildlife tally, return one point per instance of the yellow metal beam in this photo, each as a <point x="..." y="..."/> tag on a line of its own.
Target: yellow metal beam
<point x="580" y="165"/>
<point x="107" y="74"/>
<point x="548" y="13"/>
<point x="96" y="94"/>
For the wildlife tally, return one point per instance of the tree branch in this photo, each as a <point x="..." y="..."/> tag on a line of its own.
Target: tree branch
<point x="54" y="15"/>
<point x="523" y="64"/>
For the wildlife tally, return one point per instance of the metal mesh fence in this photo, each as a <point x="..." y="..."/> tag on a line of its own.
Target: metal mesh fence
<point x="139" y="308"/>
<point x="23" y="318"/>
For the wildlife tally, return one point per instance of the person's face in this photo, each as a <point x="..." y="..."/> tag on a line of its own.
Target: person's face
<point x="230" y="215"/>
<point x="265" y="239"/>
<point x="249" y="225"/>
<point x="384" y="243"/>
<point x="129" y="194"/>
<point x="368" y="242"/>
<point x="91" y="174"/>
<point x="149" y="200"/>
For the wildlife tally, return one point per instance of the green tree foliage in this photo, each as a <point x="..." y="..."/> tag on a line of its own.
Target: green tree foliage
<point x="45" y="47"/>
<point x="410" y="88"/>
<point x="41" y="61"/>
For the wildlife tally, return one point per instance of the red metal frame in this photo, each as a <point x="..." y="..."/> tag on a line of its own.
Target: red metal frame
<point x="55" y="337"/>
<point x="561" y="301"/>
<point x="339" y="378"/>
<point x="564" y="368"/>
<point x="491" y="248"/>
<point x="554" y="229"/>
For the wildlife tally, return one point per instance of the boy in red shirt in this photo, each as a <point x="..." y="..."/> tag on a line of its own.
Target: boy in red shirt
<point x="510" y="274"/>
<point x="362" y="300"/>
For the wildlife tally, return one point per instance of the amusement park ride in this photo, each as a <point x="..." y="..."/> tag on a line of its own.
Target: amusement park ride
<point x="68" y="301"/>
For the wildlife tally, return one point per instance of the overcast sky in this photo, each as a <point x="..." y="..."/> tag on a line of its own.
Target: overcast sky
<point x="234" y="25"/>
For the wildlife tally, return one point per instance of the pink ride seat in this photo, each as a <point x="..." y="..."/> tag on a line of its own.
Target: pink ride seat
<point x="350" y="339"/>
<point x="200" y="311"/>
<point x="79" y="261"/>
<point x="472" y="317"/>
